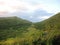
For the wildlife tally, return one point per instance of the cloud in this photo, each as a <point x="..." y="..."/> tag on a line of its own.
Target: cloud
<point x="37" y="15"/>
<point x="33" y="10"/>
<point x="12" y="6"/>
<point x="51" y="6"/>
<point x="43" y="17"/>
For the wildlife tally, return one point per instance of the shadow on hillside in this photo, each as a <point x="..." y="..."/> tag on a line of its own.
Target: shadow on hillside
<point x="56" y="40"/>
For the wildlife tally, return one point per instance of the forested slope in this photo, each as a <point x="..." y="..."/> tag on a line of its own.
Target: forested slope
<point x="17" y="31"/>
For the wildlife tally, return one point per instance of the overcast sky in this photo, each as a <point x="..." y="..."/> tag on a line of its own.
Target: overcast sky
<point x="33" y="10"/>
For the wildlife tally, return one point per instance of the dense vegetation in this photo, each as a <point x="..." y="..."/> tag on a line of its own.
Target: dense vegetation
<point x="17" y="31"/>
<point x="11" y="26"/>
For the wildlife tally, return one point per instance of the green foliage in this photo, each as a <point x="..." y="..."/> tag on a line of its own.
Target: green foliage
<point x="12" y="26"/>
<point x="52" y="23"/>
<point x="16" y="31"/>
<point x="13" y="22"/>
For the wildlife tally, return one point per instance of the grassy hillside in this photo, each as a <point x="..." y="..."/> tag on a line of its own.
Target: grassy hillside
<point x="16" y="31"/>
<point x="13" y="22"/>
<point x="12" y="27"/>
<point x="50" y="27"/>
<point x="50" y="24"/>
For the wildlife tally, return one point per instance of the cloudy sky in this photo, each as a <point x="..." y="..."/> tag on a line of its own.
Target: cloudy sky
<point x="33" y="10"/>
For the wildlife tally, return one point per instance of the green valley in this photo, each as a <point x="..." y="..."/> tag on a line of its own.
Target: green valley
<point x="17" y="31"/>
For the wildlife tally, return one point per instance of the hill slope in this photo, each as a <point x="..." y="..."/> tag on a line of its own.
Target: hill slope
<point x="49" y="24"/>
<point x="51" y="29"/>
<point x="13" y="22"/>
<point x="16" y="31"/>
<point x="12" y="27"/>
